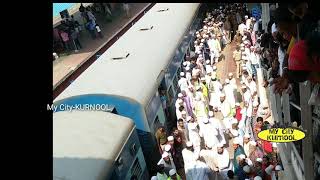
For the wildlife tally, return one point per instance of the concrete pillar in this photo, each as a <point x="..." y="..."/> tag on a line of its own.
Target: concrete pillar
<point x="306" y="122"/>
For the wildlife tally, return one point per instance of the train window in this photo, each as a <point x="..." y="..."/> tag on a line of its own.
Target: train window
<point x="171" y="95"/>
<point x="156" y="123"/>
<point x="133" y="149"/>
<point x="175" y="83"/>
<point x="136" y="169"/>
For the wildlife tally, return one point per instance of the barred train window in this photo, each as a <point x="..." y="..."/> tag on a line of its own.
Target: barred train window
<point x="136" y="169"/>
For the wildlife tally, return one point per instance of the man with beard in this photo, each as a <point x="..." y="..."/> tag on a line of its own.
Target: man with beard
<point x="166" y="162"/>
<point x="223" y="163"/>
<point x="238" y="150"/>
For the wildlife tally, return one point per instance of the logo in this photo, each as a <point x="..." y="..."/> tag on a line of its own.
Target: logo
<point x="281" y="135"/>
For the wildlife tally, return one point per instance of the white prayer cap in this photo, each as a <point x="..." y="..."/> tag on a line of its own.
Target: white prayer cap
<point x="269" y="169"/>
<point x="167" y="147"/>
<point x="209" y="145"/>
<point x="208" y="61"/>
<point x="170" y="138"/>
<point x="220" y="145"/>
<point x="253" y="18"/>
<point x="236" y="140"/>
<point x="187" y="68"/>
<point x="198" y="35"/>
<point x="154" y="178"/>
<point x="257" y="178"/>
<point x="184" y="63"/>
<point x="241" y="82"/>
<point x="183" y="112"/>
<point x="274" y="145"/>
<point x="189" y="118"/>
<point x="205" y="120"/>
<point x="242" y="45"/>
<point x="243" y="87"/>
<point x="202" y="40"/>
<point x="246" y="16"/>
<point x="259" y="160"/>
<point x="244" y="68"/>
<point x="251" y="47"/>
<point x="198" y="87"/>
<point x="242" y="48"/>
<point x="255" y="104"/>
<point x="182" y="74"/>
<point x="205" y="27"/>
<point x="227" y="81"/>
<point x="246" y="42"/>
<point x="253" y="143"/>
<point x="214" y="67"/>
<point x="222" y="95"/>
<point x="195" y="42"/>
<point x="172" y="172"/>
<point x="246" y="135"/>
<point x="180" y="101"/>
<point x="278" y="168"/>
<point x="210" y="113"/>
<point x="197" y="32"/>
<point x="244" y="38"/>
<point x="201" y="44"/>
<point x="165" y="154"/>
<point x="237" y="104"/>
<point x="249" y="162"/>
<point x="234" y="121"/>
<point x="189" y="144"/>
<point x="242" y="156"/>
<point x="198" y="98"/>
<point x="235" y="133"/>
<point x="230" y="74"/>
<point x="180" y="95"/>
<point x="202" y="79"/>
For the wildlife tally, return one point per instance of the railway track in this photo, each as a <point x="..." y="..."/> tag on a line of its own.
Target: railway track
<point x="69" y="78"/>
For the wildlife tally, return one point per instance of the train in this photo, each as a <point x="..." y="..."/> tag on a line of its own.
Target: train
<point x="129" y="74"/>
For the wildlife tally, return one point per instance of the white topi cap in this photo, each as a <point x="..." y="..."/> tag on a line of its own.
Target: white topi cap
<point x="253" y="143"/>
<point x="180" y="101"/>
<point x="183" y="112"/>
<point x="202" y="40"/>
<point x="255" y="104"/>
<point x="230" y="74"/>
<point x="236" y="140"/>
<point x="167" y="147"/>
<point x="246" y="16"/>
<point x="259" y="160"/>
<point x="246" y="135"/>
<point x="274" y="145"/>
<point x="210" y="113"/>
<point x="242" y="45"/>
<point x="234" y="121"/>
<point x="198" y="87"/>
<point x="205" y="120"/>
<point x="222" y="95"/>
<point x="184" y="63"/>
<point x="242" y="156"/>
<point x="154" y="178"/>
<point x="202" y="79"/>
<point x="172" y="172"/>
<point x="182" y="74"/>
<point x="214" y="67"/>
<point x="227" y="81"/>
<point x="278" y="168"/>
<point x="237" y="104"/>
<point x="269" y="169"/>
<point x="187" y="68"/>
<point x="170" y="138"/>
<point x="189" y="144"/>
<point x="180" y="95"/>
<point x="208" y="61"/>
<point x="189" y="118"/>
<point x="243" y="87"/>
<point x="220" y="145"/>
<point x="257" y="178"/>
<point x="165" y="154"/>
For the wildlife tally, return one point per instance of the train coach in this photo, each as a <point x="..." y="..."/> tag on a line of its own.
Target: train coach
<point x="128" y="75"/>
<point x="96" y="145"/>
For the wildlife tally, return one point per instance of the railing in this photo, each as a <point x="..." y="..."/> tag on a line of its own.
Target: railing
<point x="303" y="165"/>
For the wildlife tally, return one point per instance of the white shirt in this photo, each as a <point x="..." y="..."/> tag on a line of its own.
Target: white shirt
<point x="281" y="55"/>
<point x="183" y="83"/>
<point x="222" y="159"/>
<point x="247" y="97"/>
<point x="252" y="87"/>
<point x="241" y="27"/>
<point x="253" y="58"/>
<point x="98" y="29"/>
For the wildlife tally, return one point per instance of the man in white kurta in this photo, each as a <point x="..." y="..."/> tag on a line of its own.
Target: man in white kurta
<point x="189" y="158"/>
<point x="209" y="133"/>
<point x="215" y="95"/>
<point x="194" y="135"/>
<point x="246" y="144"/>
<point x="183" y="82"/>
<point x="223" y="161"/>
<point x="225" y="109"/>
<point x="229" y="91"/>
<point x="232" y="81"/>
<point x="218" y="126"/>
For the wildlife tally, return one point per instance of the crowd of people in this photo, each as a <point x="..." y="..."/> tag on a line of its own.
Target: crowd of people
<point x="218" y="120"/>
